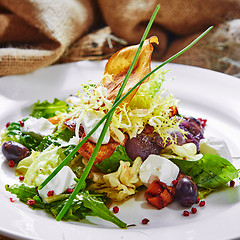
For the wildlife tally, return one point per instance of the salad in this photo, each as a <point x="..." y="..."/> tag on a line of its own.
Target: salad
<point x="149" y="146"/>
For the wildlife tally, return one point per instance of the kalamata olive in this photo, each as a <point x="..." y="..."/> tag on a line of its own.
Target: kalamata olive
<point x="191" y="126"/>
<point x="141" y="146"/>
<point x="186" y="192"/>
<point x="177" y="138"/>
<point x="14" y="151"/>
<point x="193" y="129"/>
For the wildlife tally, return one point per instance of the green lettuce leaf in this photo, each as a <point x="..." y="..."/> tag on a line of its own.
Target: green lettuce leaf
<point x="112" y="163"/>
<point x="204" y="192"/>
<point x="210" y="172"/>
<point x="25" y="163"/>
<point x="43" y="165"/>
<point x="47" y="110"/>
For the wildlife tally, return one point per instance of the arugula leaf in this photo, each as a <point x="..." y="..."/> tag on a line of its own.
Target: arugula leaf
<point x="25" y="193"/>
<point x="29" y="141"/>
<point x="210" y="172"/>
<point x="100" y="209"/>
<point x="47" y="141"/>
<point x="112" y="163"/>
<point x="13" y="131"/>
<point x="47" y="110"/>
<point x="85" y="204"/>
<point x="65" y="135"/>
<point x="76" y="212"/>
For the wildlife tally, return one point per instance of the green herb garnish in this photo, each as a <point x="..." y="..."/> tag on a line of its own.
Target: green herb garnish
<point x="65" y="135"/>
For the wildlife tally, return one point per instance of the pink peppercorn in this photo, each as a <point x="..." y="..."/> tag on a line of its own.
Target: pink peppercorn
<point x="185" y="213"/>
<point x="31" y="202"/>
<point x="21" y="123"/>
<point x="232" y="183"/>
<point x="174" y="182"/>
<point x="193" y="210"/>
<point x="145" y="221"/>
<point x="203" y="122"/>
<point x="202" y="204"/>
<point x="50" y="193"/>
<point x="21" y="178"/>
<point x="11" y="163"/>
<point x="115" y="209"/>
<point x="69" y="190"/>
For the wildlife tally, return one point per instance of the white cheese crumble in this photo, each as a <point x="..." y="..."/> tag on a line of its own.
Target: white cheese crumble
<point x="158" y="168"/>
<point x="215" y="146"/>
<point x="90" y="120"/>
<point x="59" y="183"/>
<point x="38" y="127"/>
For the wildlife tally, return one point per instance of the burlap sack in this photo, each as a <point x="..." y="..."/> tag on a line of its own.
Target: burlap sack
<point x="177" y="24"/>
<point x="35" y="33"/>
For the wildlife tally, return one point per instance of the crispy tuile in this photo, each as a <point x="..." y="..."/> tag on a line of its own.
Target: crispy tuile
<point x="118" y="65"/>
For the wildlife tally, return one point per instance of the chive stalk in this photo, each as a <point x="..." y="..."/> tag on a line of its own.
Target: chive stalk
<point x="107" y="123"/>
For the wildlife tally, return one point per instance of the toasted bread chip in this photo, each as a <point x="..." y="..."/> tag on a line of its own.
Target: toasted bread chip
<point x="54" y="119"/>
<point x="118" y="65"/>
<point x="106" y="150"/>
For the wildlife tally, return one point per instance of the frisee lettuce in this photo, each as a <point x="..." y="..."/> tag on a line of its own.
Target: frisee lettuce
<point x="148" y="90"/>
<point x="150" y="105"/>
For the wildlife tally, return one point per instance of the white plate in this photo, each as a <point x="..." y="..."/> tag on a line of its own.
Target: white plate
<point x="203" y="93"/>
